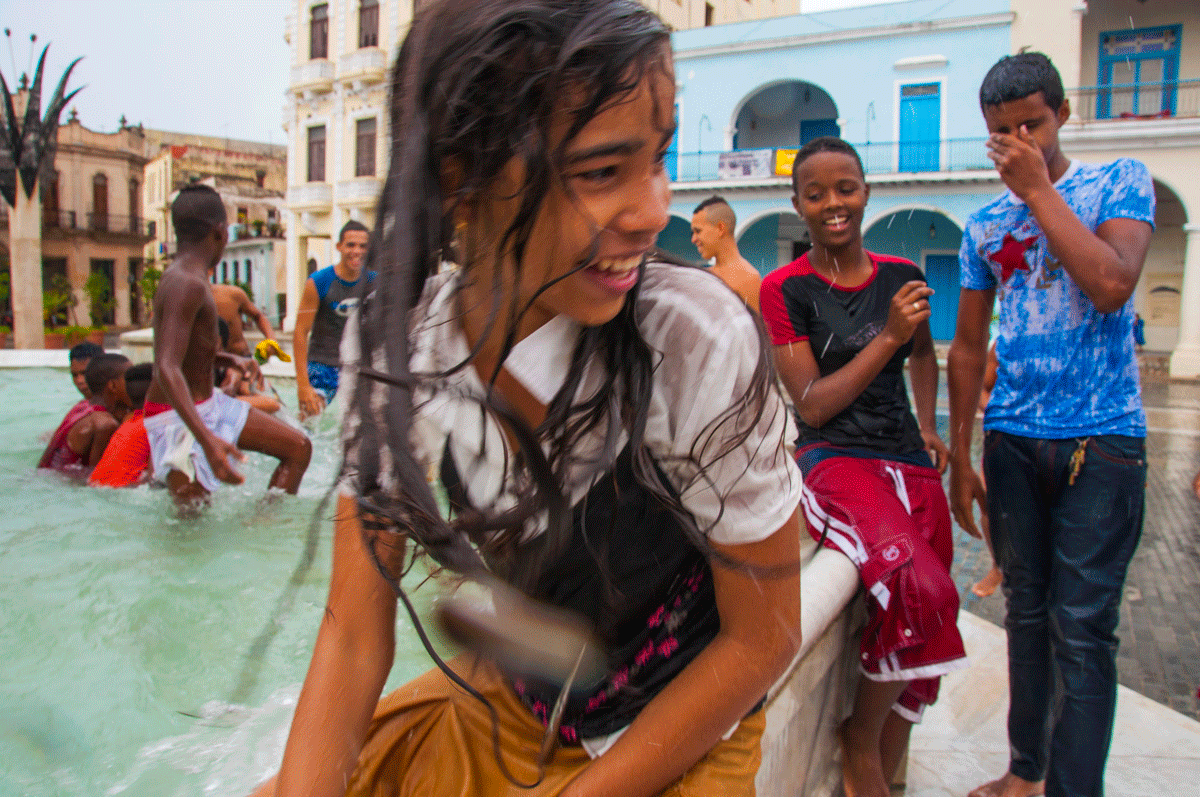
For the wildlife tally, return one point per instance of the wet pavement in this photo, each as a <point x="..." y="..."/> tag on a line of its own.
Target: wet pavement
<point x="1160" y="616"/>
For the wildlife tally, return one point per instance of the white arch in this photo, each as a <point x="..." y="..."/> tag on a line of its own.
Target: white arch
<point x="867" y="225"/>
<point x="731" y="126"/>
<point x="757" y="217"/>
<point x="1178" y="195"/>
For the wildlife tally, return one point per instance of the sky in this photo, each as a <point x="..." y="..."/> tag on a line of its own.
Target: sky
<point x="213" y="67"/>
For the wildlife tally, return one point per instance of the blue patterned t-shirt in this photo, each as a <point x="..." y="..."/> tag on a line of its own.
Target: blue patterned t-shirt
<point x="1066" y="369"/>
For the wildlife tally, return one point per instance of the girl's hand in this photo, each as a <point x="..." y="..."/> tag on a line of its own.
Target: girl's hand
<point x="938" y="451"/>
<point x="910" y="306"/>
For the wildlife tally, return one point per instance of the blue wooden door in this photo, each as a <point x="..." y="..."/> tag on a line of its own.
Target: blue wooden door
<point x="920" y="127"/>
<point x="941" y="273"/>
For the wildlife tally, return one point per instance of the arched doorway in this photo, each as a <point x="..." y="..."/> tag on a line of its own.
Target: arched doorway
<point x="1159" y="293"/>
<point x="773" y="240"/>
<point x="676" y="238"/>
<point x="785" y="114"/>
<point x="930" y="239"/>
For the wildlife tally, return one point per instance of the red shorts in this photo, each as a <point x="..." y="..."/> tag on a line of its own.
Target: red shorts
<point x="892" y="520"/>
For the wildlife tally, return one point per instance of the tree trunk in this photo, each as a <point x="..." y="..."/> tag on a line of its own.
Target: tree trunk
<point x="25" y="246"/>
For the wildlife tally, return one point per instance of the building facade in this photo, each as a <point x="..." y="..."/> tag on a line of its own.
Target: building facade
<point x="251" y="178"/>
<point x="900" y="81"/>
<point x="93" y="231"/>
<point x="335" y="120"/>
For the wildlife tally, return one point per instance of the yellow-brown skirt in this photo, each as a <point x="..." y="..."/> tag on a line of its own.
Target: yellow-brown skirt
<point x="429" y="738"/>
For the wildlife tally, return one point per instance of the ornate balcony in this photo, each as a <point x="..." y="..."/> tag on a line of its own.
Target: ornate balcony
<point x="310" y="196"/>
<point x="359" y="192"/>
<point x="367" y="65"/>
<point x="312" y="76"/>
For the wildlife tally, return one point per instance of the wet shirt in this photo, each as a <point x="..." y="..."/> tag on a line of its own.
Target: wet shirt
<point x="798" y="304"/>
<point x="661" y="611"/>
<point x="336" y="298"/>
<point x="1066" y="369"/>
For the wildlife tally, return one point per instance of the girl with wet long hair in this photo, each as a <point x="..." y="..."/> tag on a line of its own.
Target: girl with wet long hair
<point x="604" y="423"/>
<point x="843" y="321"/>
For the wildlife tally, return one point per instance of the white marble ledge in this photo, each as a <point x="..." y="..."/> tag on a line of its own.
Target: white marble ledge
<point x="963" y="741"/>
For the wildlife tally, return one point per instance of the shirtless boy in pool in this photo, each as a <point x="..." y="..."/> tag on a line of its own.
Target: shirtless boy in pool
<point x="193" y="429"/>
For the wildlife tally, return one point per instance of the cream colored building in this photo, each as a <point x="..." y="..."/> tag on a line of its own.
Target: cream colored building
<point x="92" y="220"/>
<point x="251" y="178"/>
<point x="1133" y="75"/>
<point x="334" y="114"/>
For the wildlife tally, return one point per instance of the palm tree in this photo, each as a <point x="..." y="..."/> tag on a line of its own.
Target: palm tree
<point x="27" y="155"/>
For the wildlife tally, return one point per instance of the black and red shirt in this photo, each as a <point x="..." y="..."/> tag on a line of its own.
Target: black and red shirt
<point x="798" y="304"/>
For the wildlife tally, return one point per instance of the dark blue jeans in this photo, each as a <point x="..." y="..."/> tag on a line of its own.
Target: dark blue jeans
<point x="1063" y="548"/>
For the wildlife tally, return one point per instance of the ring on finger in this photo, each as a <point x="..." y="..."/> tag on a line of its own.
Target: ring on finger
<point x="916" y="305"/>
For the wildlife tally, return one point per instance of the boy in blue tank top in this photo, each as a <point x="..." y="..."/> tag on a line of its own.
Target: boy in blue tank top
<point x="1064" y="429"/>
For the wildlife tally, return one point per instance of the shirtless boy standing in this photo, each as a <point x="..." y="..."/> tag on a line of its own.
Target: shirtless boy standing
<point x="192" y="428"/>
<point x="232" y="304"/>
<point x="713" y="223"/>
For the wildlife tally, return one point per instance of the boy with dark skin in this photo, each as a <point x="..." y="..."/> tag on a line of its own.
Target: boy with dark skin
<point x="1063" y="250"/>
<point x="81" y="439"/>
<point x="232" y="304"/>
<point x="186" y="348"/>
<point x="81" y="355"/>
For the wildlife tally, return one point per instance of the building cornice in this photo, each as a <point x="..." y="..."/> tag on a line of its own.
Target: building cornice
<point x="1131" y="134"/>
<point x="965" y="177"/>
<point x="853" y="34"/>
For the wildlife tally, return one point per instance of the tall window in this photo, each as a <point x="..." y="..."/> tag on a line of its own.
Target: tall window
<point x="135" y="203"/>
<point x="1139" y="70"/>
<point x="316" y="154"/>
<point x="368" y="23"/>
<point x="99" y="202"/>
<point x="50" y="201"/>
<point x="709" y="12"/>
<point x="364" y="149"/>
<point x="318" y="32"/>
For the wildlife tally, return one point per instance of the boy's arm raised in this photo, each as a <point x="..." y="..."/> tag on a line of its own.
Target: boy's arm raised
<point x="1105" y="264"/>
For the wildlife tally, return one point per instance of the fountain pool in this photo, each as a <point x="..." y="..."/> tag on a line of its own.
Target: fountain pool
<point x="144" y="654"/>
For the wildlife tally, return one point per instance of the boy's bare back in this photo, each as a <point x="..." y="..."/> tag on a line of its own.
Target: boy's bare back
<point x="185" y="327"/>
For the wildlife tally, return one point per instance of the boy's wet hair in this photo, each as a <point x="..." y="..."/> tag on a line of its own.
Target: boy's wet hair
<point x="823" y="144"/>
<point x="196" y="212"/>
<point x="1015" y="77"/>
<point x="102" y="369"/>
<point x="137" y="383"/>
<point x="85" y="351"/>
<point x="352" y="226"/>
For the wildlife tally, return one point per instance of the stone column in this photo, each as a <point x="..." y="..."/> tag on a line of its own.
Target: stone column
<point x="25" y="268"/>
<point x="1185" y="360"/>
<point x="121" y="315"/>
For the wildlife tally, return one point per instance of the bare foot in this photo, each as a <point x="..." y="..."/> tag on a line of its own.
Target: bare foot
<point x="987" y="585"/>
<point x="862" y="769"/>
<point x="1010" y="786"/>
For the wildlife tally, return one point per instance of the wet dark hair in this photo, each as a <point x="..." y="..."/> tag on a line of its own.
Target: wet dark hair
<point x="352" y="226"/>
<point x="137" y="383"/>
<point x="85" y="351"/>
<point x="477" y="84"/>
<point x="712" y="200"/>
<point x="1014" y="77"/>
<point x="823" y="144"/>
<point x="102" y="369"/>
<point x="196" y="212"/>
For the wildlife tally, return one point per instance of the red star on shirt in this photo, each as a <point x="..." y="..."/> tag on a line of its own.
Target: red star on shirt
<point x="1011" y="256"/>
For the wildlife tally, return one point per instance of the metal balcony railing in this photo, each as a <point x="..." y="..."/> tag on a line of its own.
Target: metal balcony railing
<point x="878" y="157"/>
<point x="59" y="220"/>
<point x="1163" y="100"/>
<point x="111" y="222"/>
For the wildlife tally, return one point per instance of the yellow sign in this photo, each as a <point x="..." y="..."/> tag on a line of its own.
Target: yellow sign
<point x="784" y="158"/>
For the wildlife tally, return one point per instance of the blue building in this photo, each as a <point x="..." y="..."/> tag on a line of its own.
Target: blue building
<point x="899" y="81"/>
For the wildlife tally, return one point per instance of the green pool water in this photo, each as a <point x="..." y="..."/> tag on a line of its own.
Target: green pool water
<point x="144" y="654"/>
